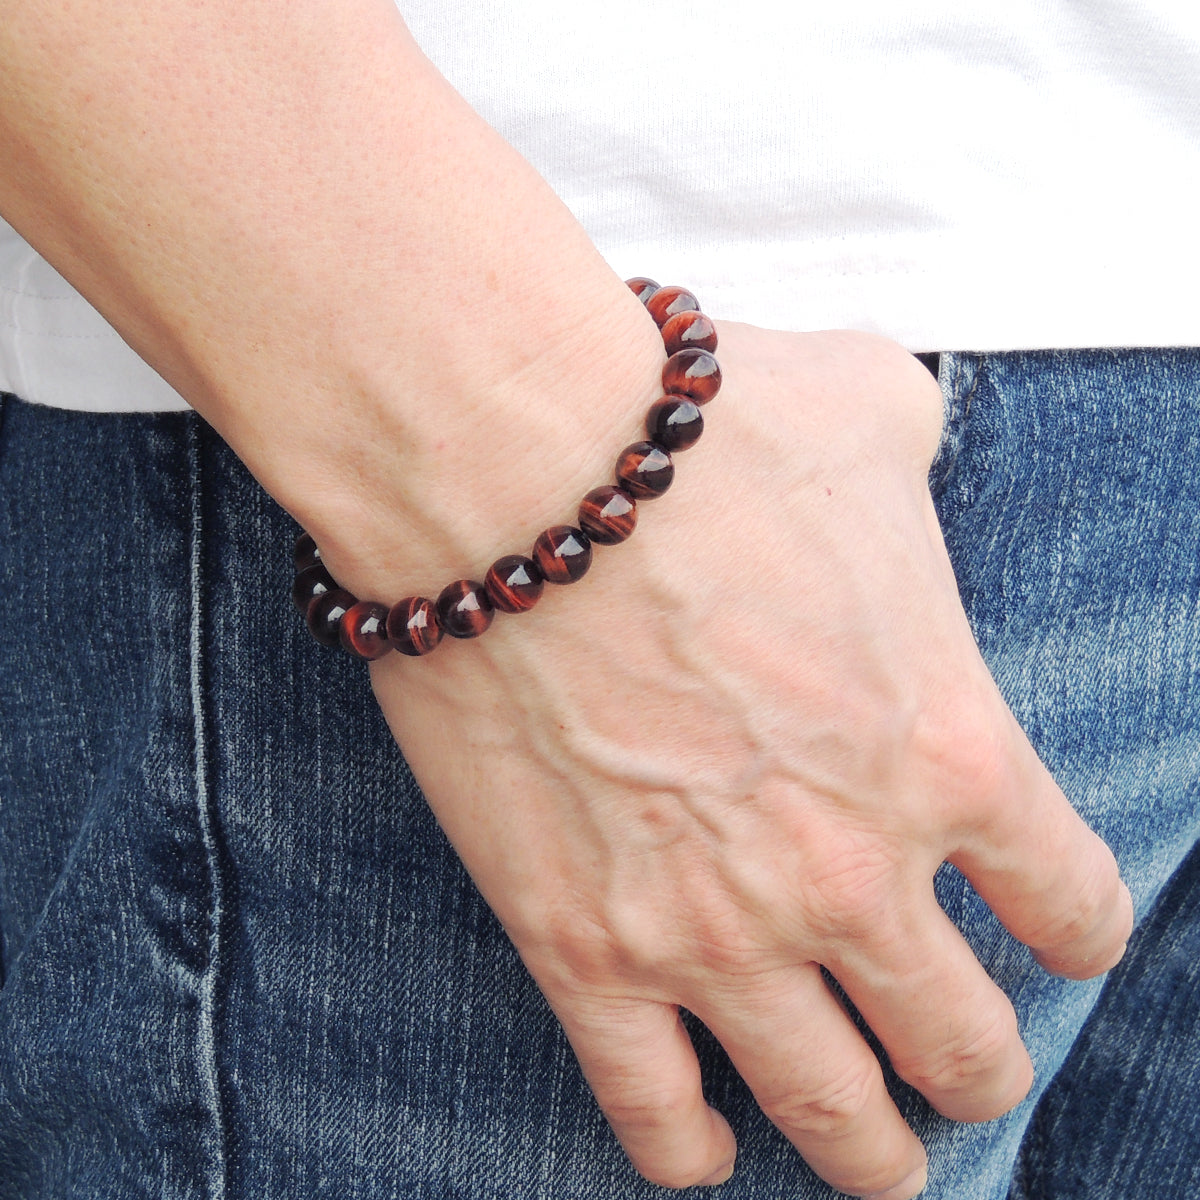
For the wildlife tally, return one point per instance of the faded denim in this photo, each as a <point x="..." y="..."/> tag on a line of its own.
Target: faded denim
<point x="241" y="962"/>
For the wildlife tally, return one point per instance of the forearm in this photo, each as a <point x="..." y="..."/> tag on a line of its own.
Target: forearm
<point x="296" y="220"/>
<point x="742" y="755"/>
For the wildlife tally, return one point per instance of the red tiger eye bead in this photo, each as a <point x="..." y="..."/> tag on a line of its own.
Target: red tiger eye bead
<point x="464" y="609"/>
<point x="363" y="630"/>
<point x="563" y="553"/>
<point x="608" y="515"/>
<point x="514" y="583"/>
<point x="413" y="627"/>
<point x="668" y="302"/>
<point x="306" y="552"/>
<point x="309" y="584"/>
<point x="645" y="470"/>
<point x="642" y="287"/>
<point x="688" y="329"/>
<point x="694" y="373"/>
<point x="675" y="422"/>
<point x="324" y="615"/>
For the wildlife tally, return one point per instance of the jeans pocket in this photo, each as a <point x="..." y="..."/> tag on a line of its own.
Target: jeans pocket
<point x="958" y="377"/>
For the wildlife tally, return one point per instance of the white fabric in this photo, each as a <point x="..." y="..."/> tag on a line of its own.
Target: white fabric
<point x="957" y="174"/>
<point x="56" y="349"/>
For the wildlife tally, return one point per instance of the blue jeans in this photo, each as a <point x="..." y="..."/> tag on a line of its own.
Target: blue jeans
<point x="241" y="961"/>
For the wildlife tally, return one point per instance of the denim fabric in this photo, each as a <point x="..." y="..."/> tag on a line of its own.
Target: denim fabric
<point x="1122" y="1118"/>
<point x="241" y="961"/>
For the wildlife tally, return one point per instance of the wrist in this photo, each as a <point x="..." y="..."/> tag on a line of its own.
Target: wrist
<point x="495" y="443"/>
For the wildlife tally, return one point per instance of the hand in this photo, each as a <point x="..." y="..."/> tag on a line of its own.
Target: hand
<point x="743" y="743"/>
<point x="737" y="751"/>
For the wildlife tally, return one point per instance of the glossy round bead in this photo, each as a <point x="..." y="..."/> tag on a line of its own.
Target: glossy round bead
<point x="563" y="553"/>
<point x="688" y="329"/>
<point x="514" y="583"/>
<point x="608" y="515"/>
<point x="324" y="615"/>
<point x="306" y="552"/>
<point x="309" y="584"/>
<point x="363" y="630"/>
<point x="675" y="422"/>
<point x="692" y="372"/>
<point x="642" y="287"/>
<point x="645" y="470"/>
<point x="413" y="627"/>
<point x="668" y="302"/>
<point x="464" y="609"/>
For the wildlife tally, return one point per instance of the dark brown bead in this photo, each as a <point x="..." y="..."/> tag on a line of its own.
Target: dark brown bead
<point x="645" y="470"/>
<point x="310" y="583"/>
<point x="668" y="302"/>
<point x="694" y="373"/>
<point x="464" y="609"/>
<point x="306" y="552"/>
<point x="642" y="287"/>
<point x="675" y="422"/>
<point x="413" y="627"/>
<point x="688" y="329"/>
<point x="514" y="583"/>
<point x="363" y="629"/>
<point x="608" y="515"/>
<point x="563" y="553"/>
<point x="324" y="615"/>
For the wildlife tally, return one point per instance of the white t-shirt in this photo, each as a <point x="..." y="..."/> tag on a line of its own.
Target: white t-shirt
<point x="957" y="174"/>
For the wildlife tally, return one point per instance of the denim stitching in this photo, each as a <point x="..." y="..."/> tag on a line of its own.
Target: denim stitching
<point x="4" y="408"/>
<point x="958" y="371"/>
<point x="206" y="1041"/>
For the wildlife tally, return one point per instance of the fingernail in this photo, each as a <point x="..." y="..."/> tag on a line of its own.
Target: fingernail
<point x="719" y="1176"/>
<point x="911" y="1186"/>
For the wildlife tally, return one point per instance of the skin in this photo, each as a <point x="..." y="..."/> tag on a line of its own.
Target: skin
<point x="740" y="747"/>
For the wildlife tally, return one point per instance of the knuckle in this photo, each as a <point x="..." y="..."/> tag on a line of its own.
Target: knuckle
<point x="652" y="1125"/>
<point x="1074" y="921"/>
<point x="649" y="1123"/>
<point x="571" y="957"/>
<point x="831" y="1109"/>
<point x="965" y="1065"/>
<point x="713" y="934"/>
<point x="855" y="891"/>
<point x="652" y="1110"/>
<point x="972" y="749"/>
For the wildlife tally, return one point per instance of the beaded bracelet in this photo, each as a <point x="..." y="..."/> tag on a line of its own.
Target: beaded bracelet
<point x="562" y="553"/>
